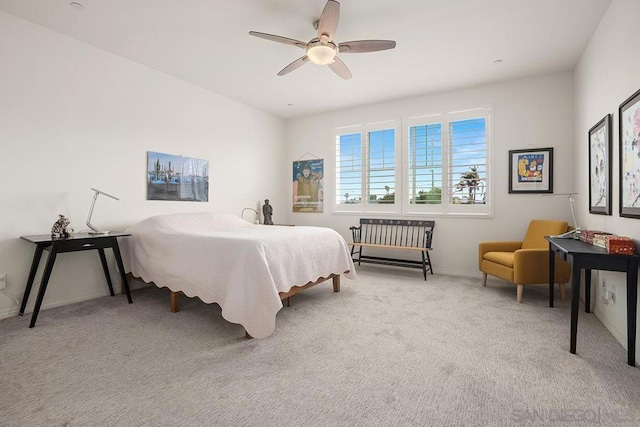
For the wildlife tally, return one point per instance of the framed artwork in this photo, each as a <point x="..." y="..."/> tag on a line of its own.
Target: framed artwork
<point x="600" y="167"/>
<point x="531" y="171"/>
<point x="629" y="132"/>
<point x="308" y="181"/>
<point x="177" y="178"/>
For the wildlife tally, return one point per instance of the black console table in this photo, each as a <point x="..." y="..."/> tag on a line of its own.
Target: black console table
<point x="582" y="255"/>
<point x="73" y="243"/>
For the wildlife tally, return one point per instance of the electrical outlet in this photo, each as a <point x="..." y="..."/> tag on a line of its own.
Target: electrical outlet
<point x="3" y="280"/>
<point x="613" y="294"/>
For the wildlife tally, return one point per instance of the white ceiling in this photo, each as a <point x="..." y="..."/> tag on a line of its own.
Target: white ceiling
<point x="441" y="44"/>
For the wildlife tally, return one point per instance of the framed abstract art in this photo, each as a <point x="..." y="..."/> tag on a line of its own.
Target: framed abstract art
<point x="629" y="134"/>
<point x="600" y="167"/>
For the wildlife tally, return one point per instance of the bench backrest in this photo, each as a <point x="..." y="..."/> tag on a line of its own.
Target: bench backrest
<point x="394" y="232"/>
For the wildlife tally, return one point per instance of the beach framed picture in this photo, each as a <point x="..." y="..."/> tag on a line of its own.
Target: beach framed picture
<point x="629" y="134"/>
<point x="175" y="178"/>
<point x="600" y="167"/>
<point x="531" y="171"/>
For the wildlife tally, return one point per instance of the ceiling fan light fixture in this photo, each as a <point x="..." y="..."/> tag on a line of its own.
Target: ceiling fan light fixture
<point x="321" y="54"/>
<point x="322" y="50"/>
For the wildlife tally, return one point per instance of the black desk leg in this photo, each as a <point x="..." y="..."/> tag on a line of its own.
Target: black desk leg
<point x="632" y="308"/>
<point x="587" y="290"/>
<point x="575" y="302"/>
<point x="552" y="274"/>
<point x="43" y="284"/>
<point x="32" y="275"/>
<point x="123" y="275"/>
<point x="103" y="259"/>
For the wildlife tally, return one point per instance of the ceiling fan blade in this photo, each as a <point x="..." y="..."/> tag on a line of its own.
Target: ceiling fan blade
<point x="359" y="46"/>
<point x="279" y="39"/>
<point x="329" y="19"/>
<point x="340" y="68"/>
<point x="294" y="65"/>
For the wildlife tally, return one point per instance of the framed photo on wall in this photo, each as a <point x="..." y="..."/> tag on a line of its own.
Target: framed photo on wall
<point x="531" y="171"/>
<point x="600" y="167"/>
<point x="629" y="133"/>
<point x="175" y="178"/>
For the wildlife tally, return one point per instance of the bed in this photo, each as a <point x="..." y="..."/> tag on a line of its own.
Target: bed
<point x="245" y="268"/>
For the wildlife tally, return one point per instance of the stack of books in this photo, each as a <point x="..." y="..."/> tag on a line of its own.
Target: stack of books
<point x="587" y="235"/>
<point x="614" y="244"/>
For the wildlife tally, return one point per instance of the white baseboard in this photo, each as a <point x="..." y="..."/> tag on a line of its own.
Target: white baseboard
<point x="13" y="311"/>
<point x="459" y="273"/>
<point x="117" y="289"/>
<point x="620" y="336"/>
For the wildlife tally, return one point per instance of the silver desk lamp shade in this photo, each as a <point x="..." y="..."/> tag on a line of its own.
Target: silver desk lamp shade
<point x="94" y="230"/>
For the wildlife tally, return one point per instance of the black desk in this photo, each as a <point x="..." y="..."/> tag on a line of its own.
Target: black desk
<point x="75" y="242"/>
<point x="582" y="255"/>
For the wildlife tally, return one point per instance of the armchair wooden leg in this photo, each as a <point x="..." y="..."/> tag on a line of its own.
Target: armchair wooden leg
<point x="563" y="291"/>
<point x="519" y="293"/>
<point x="484" y="279"/>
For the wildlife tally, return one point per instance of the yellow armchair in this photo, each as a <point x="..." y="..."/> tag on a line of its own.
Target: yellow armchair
<point x="525" y="262"/>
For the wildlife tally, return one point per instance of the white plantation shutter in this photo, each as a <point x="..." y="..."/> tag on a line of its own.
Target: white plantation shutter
<point x="467" y="161"/>
<point x="425" y="164"/>
<point x="439" y="165"/>
<point x="349" y="168"/>
<point x="381" y="166"/>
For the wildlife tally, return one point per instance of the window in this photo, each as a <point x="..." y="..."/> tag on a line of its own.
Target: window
<point x="381" y="182"/>
<point x="367" y="168"/>
<point x="425" y="164"/>
<point x="440" y="166"/>
<point x="447" y="169"/>
<point x="349" y="169"/>
<point x="468" y="161"/>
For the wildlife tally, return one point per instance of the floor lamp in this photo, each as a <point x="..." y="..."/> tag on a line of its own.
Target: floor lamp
<point x="573" y="234"/>
<point x="93" y="203"/>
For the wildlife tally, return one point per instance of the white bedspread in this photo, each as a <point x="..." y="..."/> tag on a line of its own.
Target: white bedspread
<point x="241" y="266"/>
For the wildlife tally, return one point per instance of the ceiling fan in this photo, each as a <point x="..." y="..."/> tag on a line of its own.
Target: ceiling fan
<point x="322" y="50"/>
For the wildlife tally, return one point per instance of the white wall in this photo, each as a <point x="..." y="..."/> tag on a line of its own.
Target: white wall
<point x="605" y="77"/>
<point x="534" y="112"/>
<point x="74" y="117"/>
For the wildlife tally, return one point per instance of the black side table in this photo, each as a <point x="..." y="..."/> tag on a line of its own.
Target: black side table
<point x="584" y="256"/>
<point x="75" y="242"/>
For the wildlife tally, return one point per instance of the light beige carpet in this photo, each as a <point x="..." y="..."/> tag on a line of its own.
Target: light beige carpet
<point x="390" y="349"/>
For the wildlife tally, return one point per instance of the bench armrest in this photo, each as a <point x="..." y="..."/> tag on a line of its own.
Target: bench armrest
<point x="428" y="239"/>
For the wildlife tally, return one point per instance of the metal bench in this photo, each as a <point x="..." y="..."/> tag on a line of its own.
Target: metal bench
<point x="393" y="234"/>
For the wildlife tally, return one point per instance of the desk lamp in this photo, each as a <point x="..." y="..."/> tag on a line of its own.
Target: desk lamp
<point x="250" y="209"/>
<point x="93" y="229"/>
<point x="572" y="200"/>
